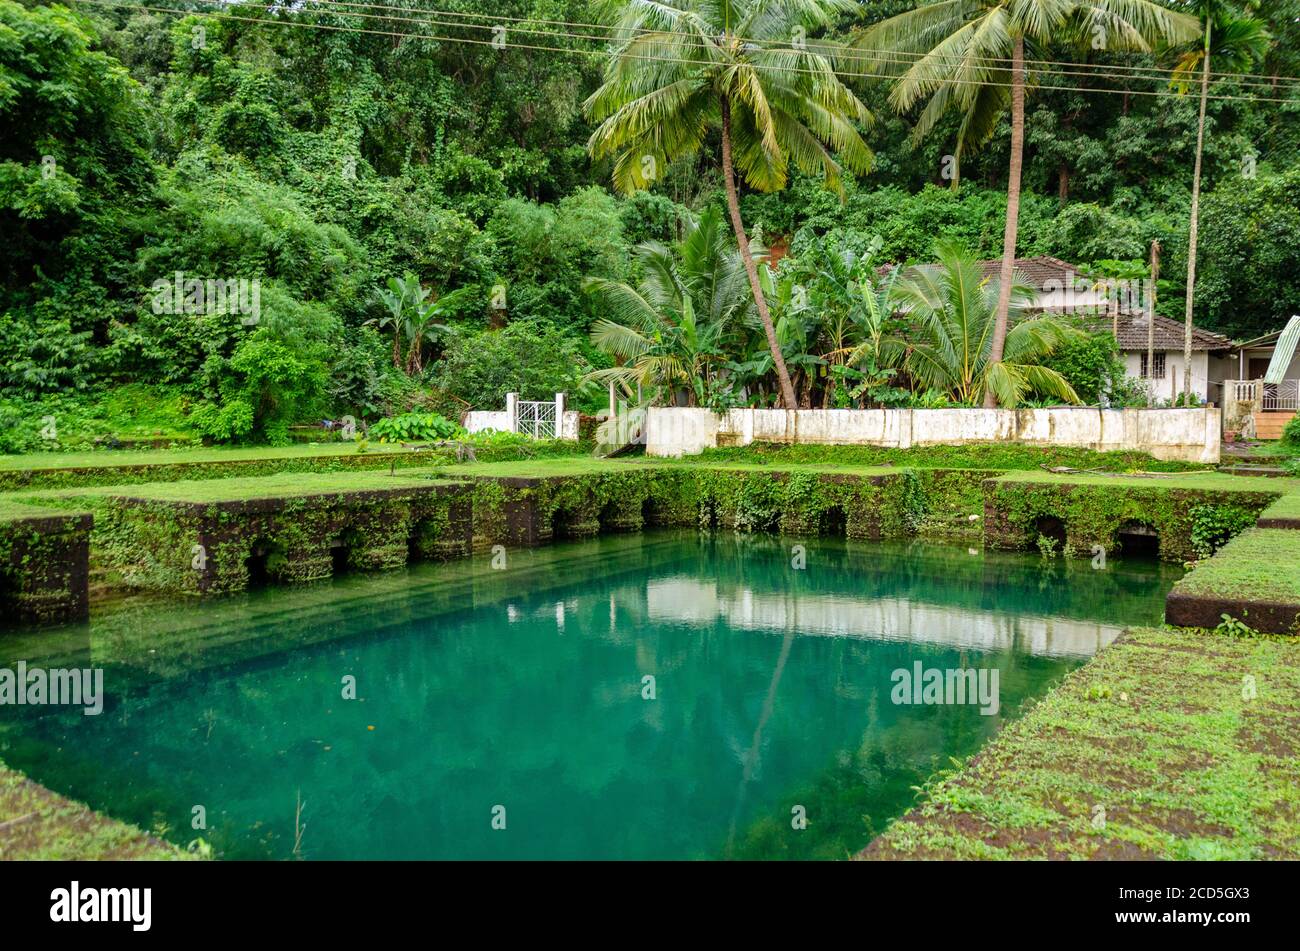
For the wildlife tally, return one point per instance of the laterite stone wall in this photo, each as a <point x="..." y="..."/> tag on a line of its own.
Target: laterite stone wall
<point x="45" y="568"/>
<point x="1094" y="514"/>
<point x="200" y="548"/>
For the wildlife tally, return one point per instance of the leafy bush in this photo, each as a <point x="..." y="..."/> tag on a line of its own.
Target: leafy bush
<point x="20" y="428"/>
<point x="229" y="421"/>
<point x="1090" y="363"/>
<point x="263" y="389"/>
<point x="63" y="421"/>
<point x="414" y="427"/>
<point x="495" y="438"/>
<point x="1291" y="434"/>
<point x="1213" y="526"/>
<point x="532" y="359"/>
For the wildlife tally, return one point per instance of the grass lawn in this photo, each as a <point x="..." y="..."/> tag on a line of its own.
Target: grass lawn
<point x="14" y="509"/>
<point x="283" y="485"/>
<point x="1210" y="481"/>
<point x="540" y="468"/>
<point x="151" y="457"/>
<point x="971" y="456"/>
<point x="1167" y="745"/>
<point x="1260" y="564"/>
<point x="36" y="824"/>
<point x="1287" y="507"/>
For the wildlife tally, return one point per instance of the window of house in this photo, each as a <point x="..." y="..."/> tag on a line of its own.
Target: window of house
<point x="1159" y="373"/>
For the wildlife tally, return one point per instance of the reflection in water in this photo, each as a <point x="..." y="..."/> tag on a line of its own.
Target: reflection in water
<point x="522" y="688"/>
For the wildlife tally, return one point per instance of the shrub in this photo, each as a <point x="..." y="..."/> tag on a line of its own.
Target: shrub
<point x="1090" y="363"/>
<point x="414" y="427"/>
<point x="1213" y="526"/>
<point x="1291" y="434"/>
<point x="532" y="359"/>
<point x="264" y="388"/>
<point x="497" y="438"/>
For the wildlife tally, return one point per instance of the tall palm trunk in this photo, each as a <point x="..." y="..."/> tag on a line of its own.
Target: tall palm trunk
<point x="1151" y="324"/>
<point x="1013" y="208"/>
<point x="733" y="205"/>
<point x="1194" y="224"/>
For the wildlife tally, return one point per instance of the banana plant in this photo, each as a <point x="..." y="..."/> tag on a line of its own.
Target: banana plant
<point x="394" y="298"/>
<point x="414" y="314"/>
<point x="424" y="326"/>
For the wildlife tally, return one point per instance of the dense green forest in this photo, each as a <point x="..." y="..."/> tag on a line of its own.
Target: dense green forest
<point x="408" y="196"/>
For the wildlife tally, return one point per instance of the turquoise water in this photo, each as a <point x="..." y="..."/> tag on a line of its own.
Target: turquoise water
<point x="523" y="688"/>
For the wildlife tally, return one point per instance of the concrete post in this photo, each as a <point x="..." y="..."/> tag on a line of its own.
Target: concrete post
<point x="512" y="411"/>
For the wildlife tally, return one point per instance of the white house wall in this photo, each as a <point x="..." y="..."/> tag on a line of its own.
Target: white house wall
<point x="1204" y="375"/>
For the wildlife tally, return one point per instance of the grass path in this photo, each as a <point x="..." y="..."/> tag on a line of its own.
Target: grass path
<point x="36" y="824"/>
<point x="1167" y="745"/>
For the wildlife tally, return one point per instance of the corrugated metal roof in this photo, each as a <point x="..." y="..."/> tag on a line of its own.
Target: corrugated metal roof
<point x="1283" y="351"/>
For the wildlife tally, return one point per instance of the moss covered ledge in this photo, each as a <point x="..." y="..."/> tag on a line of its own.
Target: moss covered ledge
<point x="37" y="824"/>
<point x="44" y="564"/>
<point x="212" y="537"/>
<point x="1167" y="745"/>
<point x="1254" y="579"/>
<point x="1079" y="511"/>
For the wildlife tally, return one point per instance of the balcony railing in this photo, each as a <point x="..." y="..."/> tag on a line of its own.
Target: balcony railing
<point x="1241" y="391"/>
<point x="1268" y="397"/>
<point x="1282" y="396"/>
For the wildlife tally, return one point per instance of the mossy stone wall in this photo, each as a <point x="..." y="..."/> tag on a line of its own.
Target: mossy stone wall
<point x="45" y="568"/>
<point x="1094" y="515"/>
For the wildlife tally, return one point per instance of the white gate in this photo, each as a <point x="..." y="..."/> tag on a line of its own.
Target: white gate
<point x="537" y="419"/>
<point x="1282" y="396"/>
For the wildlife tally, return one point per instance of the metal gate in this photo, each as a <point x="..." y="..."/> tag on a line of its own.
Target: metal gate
<point x="536" y="420"/>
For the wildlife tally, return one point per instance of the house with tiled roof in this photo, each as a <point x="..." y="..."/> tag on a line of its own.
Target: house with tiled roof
<point x="1161" y="367"/>
<point x="1121" y="307"/>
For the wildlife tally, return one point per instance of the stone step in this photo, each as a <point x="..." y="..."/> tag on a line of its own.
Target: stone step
<point x="1267" y="471"/>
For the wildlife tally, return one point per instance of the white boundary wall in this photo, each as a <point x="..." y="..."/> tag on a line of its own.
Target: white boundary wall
<point x="479" y="420"/>
<point x="1189" y="435"/>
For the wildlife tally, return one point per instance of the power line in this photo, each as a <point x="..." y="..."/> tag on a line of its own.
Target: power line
<point x="1269" y="80"/>
<point x="881" y="56"/>
<point x="1085" y="70"/>
<point x="222" y="15"/>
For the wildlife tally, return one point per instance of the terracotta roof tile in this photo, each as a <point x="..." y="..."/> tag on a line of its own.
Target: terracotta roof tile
<point x="1168" y="333"/>
<point x="1038" y="271"/>
<point x="1045" y="270"/>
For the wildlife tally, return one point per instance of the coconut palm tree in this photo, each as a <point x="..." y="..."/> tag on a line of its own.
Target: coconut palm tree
<point x="668" y="331"/>
<point x="678" y="69"/>
<point x="1233" y="41"/>
<point x="954" y="311"/>
<point x="972" y="56"/>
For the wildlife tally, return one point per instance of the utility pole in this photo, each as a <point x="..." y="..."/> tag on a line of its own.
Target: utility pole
<point x="1151" y="321"/>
